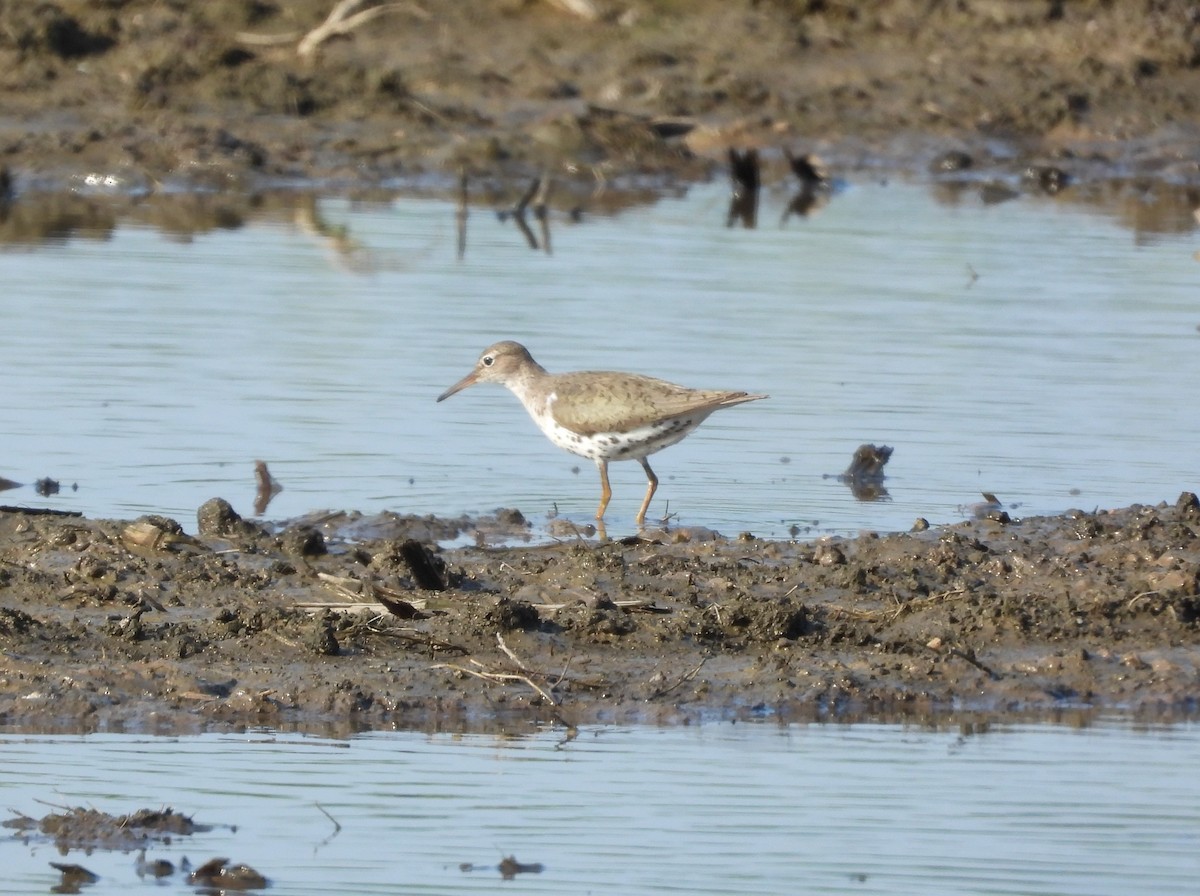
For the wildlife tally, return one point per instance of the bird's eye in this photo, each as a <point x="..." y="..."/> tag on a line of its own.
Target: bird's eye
<point x="488" y="360"/>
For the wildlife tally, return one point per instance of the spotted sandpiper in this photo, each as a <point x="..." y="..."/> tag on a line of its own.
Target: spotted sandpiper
<point x="599" y="414"/>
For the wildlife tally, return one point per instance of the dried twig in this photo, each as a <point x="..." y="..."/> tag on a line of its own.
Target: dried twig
<point x="268" y="40"/>
<point x="585" y="9"/>
<point x="499" y="677"/>
<point x="509" y="651"/>
<point x="347" y="586"/>
<point x="415" y="637"/>
<point x="344" y="18"/>
<point x="890" y="615"/>
<point x="686" y="677"/>
<point x="336" y="826"/>
<point x="969" y="656"/>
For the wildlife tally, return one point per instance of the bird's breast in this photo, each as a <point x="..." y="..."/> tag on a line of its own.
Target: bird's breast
<point x="631" y="444"/>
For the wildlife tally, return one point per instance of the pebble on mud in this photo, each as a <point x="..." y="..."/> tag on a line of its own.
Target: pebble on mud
<point x="216" y="516"/>
<point x="514" y="615"/>
<point x="321" y="638"/>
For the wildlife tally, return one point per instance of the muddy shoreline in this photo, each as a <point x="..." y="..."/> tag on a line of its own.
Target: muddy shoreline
<point x="189" y="115"/>
<point x="225" y="95"/>
<point x="342" y="623"/>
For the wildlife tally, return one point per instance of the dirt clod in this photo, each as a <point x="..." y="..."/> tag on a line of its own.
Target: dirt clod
<point x="1098" y="610"/>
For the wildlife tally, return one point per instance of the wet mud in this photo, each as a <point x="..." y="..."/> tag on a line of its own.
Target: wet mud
<point x="227" y="95"/>
<point x="194" y="117"/>
<point x="202" y="116"/>
<point x="344" y="623"/>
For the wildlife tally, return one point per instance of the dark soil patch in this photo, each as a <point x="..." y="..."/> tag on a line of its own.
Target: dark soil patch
<point x="1087" y="610"/>
<point x="217" y="93"/>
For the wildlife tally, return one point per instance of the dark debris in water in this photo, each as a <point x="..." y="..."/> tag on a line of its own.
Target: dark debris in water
<point x="218" y="876"/>
<point x="509" y="867"/>
<point x="74" y="878"/>
<point x="865" y="474"/>
<point x="92" y="829"/>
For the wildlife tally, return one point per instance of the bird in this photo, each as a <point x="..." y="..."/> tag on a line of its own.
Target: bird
<point x="602" y="415"/>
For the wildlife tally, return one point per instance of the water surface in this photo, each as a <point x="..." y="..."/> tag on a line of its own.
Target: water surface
<point x="722" y="809"/>
<point x="1039" y="350"/>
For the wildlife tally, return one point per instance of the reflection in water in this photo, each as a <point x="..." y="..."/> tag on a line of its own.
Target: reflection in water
<point x="535" y="197"/>
<point x="56" y="217"/>
<point x="349" y="253"/>
<point x="1048" y="179"/>
<point x="865" y="476"/>
<point x="267" y="487"/>
<point x="1146" y="206"/>
<point x="990" y="508"/>
<point x="743" y="203"/>
<point x="745" y="172"/>
<point x="74" y="877"/>
<point x="994" y="192"/>
<point x="806" y="202"/>
<point x="460" y="215"/>
<point x="47" y="486"/>
<point x="183" y="217"/>
<point x="815" y="186"/>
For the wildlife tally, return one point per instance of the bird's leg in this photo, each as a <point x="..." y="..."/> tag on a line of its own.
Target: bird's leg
<point x="653" y="484"/>
<point x="605" y="490"/>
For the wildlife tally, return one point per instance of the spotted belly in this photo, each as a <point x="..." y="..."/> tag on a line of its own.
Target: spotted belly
<point x="632" y="445"/>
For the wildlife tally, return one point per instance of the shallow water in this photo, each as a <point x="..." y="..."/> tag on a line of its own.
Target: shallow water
<point x="1042" y="350"/>
<point x="1022" y="809"/>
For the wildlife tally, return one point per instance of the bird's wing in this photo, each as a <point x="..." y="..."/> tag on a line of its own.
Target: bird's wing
<point x="621" y="401"/>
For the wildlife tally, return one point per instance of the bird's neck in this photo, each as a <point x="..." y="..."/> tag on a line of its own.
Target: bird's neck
<point x="529" y="384"/>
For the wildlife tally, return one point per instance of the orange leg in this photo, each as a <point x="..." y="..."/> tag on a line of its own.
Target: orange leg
<point x="605" y="489"/>
<point x="650" y="489"/>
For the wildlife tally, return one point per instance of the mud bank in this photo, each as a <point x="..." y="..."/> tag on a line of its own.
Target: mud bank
<point x="228" y="94"/>
<point x="140" y="625"/>
<point x="342" y="623"/>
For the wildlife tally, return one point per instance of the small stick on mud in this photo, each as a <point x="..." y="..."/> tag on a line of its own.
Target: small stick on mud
<point x="686" y="677"/>
<point x="892" y="615"/>
<point x="585" y="9"/>
<point x="509" y="651"/>
<point x="969" y="656"/>
<point x="499" y="677"/>
<point x="563" y="675"/>
<point x="344" y="18"/>
<point x="411" y="636"/>
<point x="1133" y="600"/>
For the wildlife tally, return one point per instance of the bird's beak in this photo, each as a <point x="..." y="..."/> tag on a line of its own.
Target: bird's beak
<point x="469" y="380"/>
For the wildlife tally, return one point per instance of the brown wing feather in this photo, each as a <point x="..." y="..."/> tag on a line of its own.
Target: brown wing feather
<point x="624" y="401"/>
